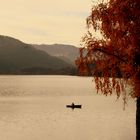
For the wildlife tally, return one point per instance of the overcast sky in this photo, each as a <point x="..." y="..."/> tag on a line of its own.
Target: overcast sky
<point x="45" y="21"/>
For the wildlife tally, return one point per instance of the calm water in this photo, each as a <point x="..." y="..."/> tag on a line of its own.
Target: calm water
<point x="33" y="108"/>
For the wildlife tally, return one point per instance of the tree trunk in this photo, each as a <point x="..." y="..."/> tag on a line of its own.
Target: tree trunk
<point x="138" y="120"/>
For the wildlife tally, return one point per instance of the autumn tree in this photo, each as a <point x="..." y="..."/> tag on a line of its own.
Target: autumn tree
<point x="114" y="58"/>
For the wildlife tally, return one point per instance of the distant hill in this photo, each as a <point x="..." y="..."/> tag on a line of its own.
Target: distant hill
<point x="68" y="53"/>
<point x="17" y="57"/>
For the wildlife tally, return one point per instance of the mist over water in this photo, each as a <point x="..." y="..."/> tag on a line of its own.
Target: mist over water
<point x="34" y="108"/>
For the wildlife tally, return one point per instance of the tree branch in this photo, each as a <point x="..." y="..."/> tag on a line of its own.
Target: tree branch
<point x="108" y="53"/>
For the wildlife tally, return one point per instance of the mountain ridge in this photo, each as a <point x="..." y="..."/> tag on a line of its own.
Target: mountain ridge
<point x="17" y="57"/>
<point x="68" y="53"/>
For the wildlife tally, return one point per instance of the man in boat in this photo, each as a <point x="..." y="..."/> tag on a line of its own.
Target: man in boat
<point x="73" y="106"/>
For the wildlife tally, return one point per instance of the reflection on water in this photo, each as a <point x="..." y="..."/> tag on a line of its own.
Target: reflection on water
<point x="33" y="108"/>
<point x="44" y="85"/>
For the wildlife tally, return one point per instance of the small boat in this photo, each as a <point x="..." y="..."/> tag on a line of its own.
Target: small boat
<point x="73" y="106"/>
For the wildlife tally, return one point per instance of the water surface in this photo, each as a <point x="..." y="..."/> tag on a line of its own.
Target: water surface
<point x="33" y="108"/>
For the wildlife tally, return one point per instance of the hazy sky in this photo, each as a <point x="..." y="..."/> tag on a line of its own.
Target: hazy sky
<point x="44" y="21"/>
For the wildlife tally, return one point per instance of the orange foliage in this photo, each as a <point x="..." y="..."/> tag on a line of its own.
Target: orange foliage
<point x="117" y="54"/>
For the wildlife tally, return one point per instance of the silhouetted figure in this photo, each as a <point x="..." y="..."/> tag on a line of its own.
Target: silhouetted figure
<point x="73" y="106"/>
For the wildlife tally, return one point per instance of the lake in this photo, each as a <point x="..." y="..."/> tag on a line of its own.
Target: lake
<point x="34" y="108"/>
